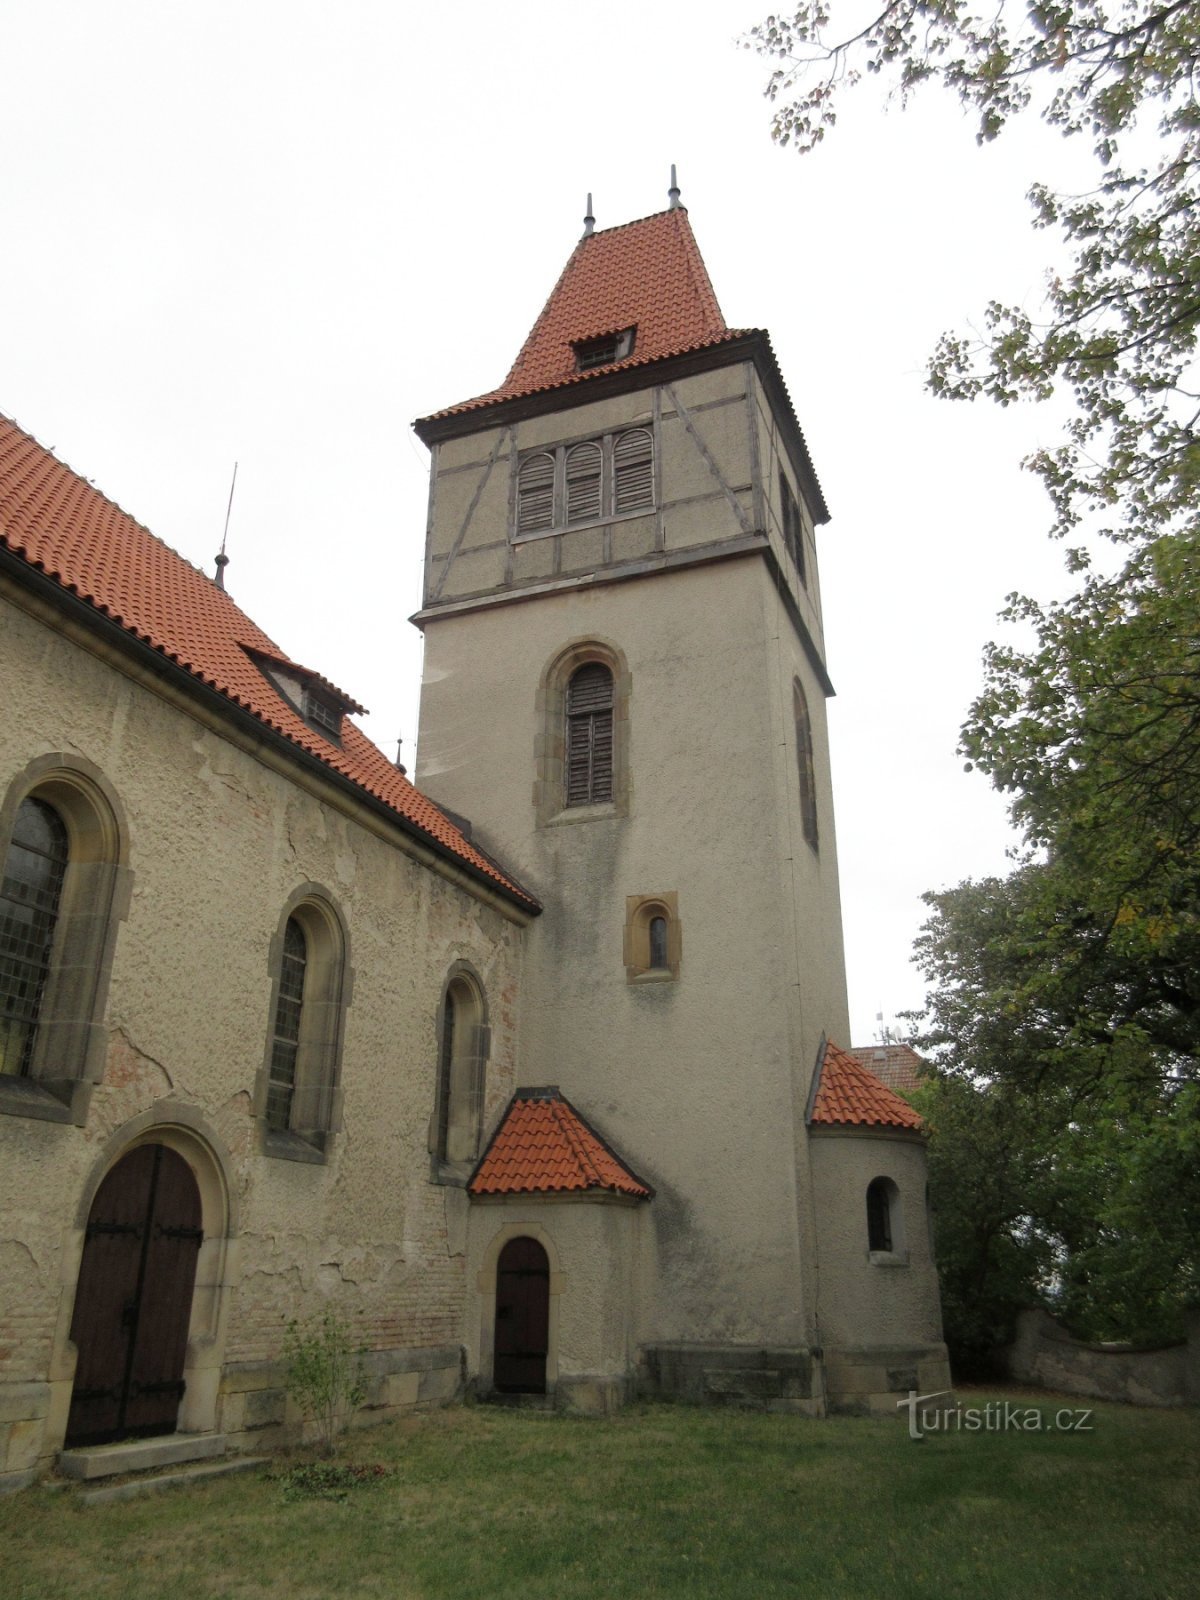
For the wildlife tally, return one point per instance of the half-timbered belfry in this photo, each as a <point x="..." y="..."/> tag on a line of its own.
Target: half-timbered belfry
<point x="625" y="692"/>
<point x="525" y="1070"/>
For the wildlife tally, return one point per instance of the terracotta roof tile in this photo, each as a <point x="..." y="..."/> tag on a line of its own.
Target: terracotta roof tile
<point x="544" y="1146"/>
<point x="848" y="1094"/>
<point x="898" y="1066"/>
<point x="647" y="275"/>
<point x="59" y="524"/>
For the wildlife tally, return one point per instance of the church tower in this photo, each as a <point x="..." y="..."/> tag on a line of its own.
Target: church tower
<point x="624" y="697"/>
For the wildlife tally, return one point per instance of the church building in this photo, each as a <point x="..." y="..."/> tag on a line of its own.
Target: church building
<point x="526" y="1068"/>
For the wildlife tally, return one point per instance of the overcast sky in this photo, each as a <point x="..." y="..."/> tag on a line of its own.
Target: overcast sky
<point x="276" y="232"/>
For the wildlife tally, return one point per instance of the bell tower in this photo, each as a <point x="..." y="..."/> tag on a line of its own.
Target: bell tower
<point x="625" y="689"/>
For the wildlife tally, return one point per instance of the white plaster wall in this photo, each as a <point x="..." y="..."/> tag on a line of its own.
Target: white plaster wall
<point x="862" y="1302"/>
<point x="699" y="1083"/>
<point x="217" y="842"/>
<point x="592" y="1246"/>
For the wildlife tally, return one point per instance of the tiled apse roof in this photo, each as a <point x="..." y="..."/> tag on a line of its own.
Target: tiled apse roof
<point x="647" y="275"/>
<point x="898" y="1066"/>
<point x="544" y="1146"/>
<point x="848" y="1094"/>
<point x="59" y="524"/>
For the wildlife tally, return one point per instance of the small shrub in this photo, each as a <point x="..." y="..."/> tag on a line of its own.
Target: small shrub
<point x="324" y="1374"/>
<point x="328" y="1480"/>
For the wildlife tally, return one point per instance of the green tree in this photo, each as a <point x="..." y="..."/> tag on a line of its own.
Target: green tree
<point x="1121" y="324"/>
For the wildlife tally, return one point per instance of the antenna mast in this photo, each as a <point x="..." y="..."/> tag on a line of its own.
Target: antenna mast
<point x="222" y="558"/>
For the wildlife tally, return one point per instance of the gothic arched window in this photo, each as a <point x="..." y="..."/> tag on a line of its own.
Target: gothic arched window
<point x="34" y="869"/>
<point x="301" y="1097"/>
<point x="464" y="1044"/>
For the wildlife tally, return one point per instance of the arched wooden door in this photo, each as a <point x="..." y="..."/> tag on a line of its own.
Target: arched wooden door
<point x="522" y="1318"/>
<point x="133" y="1301"/>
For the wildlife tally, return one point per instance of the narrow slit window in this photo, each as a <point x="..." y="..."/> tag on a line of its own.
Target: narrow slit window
<point x="285" y="1044"/>
<point x="804" y="763"/>
<point x="793" y="527"/>
<point x="589" y="736"/>
<point x="29" y="900"/>
<point x="658" y="942"/>
<point x="879" y="1216"/>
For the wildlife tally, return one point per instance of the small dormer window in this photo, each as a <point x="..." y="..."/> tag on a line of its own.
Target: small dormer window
<point x="322" y="712"/>
<point x="603" y="351"/>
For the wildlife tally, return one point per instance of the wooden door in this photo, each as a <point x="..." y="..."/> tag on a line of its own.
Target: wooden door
<point x="133" y="1301"/>
<point x="522" y="1318"/>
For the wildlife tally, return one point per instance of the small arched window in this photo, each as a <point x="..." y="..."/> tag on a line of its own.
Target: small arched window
<point x="885" y="1227"/>
<point x="589" y="736"/>
<point x="301" y="1097"/>
<point x="464" y="1044"/>
<point x="804" y="762"/>
<point x="29" y="904"/>
<point x="658" y="942"/>
<point x="584" y="463"/>
<point x="535" y="494"/>
<point x="653" y="937"/>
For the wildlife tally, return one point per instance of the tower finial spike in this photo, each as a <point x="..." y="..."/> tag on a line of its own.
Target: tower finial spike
<point x="673" y="191"/>
<point x="589" y="222"/>
<point x="222" y="558"/>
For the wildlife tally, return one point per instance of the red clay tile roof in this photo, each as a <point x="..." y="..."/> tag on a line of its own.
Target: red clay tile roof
<point x="647" y="275"/>
<point x="544" y="1146"/>
<point x="847" y="1093"/>
<point x="898" y="1066"/>
<point x="59" y="524"/>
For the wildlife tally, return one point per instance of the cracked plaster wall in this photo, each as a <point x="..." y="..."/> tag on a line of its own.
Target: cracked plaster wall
<point x="216" y="843"/>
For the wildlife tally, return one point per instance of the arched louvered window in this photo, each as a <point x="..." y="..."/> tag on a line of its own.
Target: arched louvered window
<point x="285" y="1038"/>
<point x="633" y="470"/>
<point x="804" y="761"/>
<point x="584" y="464"/>
<point x="29" y="901"/>
<point x="589" y="763"/>
<point x="535" y="494"/>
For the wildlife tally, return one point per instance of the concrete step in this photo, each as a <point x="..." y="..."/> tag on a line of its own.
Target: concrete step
<point x="187" y="1477"/>
<point x="520" y="1402"/>
<point x="140" y="1455"/>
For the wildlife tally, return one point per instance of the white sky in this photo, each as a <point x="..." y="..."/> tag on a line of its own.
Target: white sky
<point x="276" y="232"/>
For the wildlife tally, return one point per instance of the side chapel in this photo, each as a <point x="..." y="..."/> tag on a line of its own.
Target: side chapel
<point x="527" y="1068"/>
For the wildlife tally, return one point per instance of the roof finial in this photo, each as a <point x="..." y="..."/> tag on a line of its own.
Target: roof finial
<point x="673" y="191"/>
<point x="222" y="558"/>
<point x="400" y="767"/>
<point x="589" y="222"/>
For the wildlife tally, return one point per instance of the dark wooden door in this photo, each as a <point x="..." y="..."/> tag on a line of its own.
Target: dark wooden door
<point x="133" y="1301"/>
<point x="522" y="1318"/>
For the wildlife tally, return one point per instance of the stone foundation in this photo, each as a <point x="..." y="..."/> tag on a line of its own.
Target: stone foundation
<point x="868" y="1380"/>
<point x="777" y="1378"/>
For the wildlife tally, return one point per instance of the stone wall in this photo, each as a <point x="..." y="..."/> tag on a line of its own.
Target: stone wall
<point x="1045" y="1354"/>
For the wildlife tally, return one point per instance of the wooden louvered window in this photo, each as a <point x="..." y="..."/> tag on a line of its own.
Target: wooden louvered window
<point x="535" y="494"/>
<point x="29" y="901"/>
<point x="633" y="471"/>
<point x="584" y="479"/>
<point x="589" y="756"/>
<point x="586" y="482"/>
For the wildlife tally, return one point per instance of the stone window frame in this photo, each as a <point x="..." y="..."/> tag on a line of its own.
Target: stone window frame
<point x="460" y="1087"/>
<point x="71" y="1044"/>
<point x="886" y="1245"/>
<point x="549" y="787"/>
<point x="315" y="1112"/>
<point x="805" y="766"/>
<point x="640" y="912"/>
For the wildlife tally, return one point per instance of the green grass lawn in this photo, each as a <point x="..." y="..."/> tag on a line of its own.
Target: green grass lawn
<point x="661" y="1501"/>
